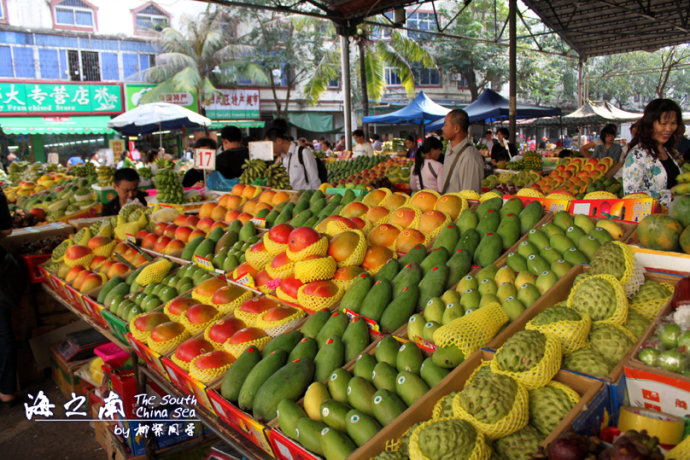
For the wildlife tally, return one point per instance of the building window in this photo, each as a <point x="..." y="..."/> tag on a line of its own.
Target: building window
<point x="150" y="18"/>
<point x="3" y="11"/>
<point x="380" y="32"/>
<point x="84" y="65"/>
<point x="334" y="84"/>
<point x="426" y="77"/>
<point x="74" y="13"/>
<point x="391" y="77"/>
<point x="420" y="21"/>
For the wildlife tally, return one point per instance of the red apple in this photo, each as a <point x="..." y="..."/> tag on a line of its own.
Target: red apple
<point x="166" y="331"/>
<point x="301" y="238"/>
<point x="201" y="313"/>
<point x="258" y="305"/>
<point x="214" y="360"/>
<point x="161" y="243"/>
<point x="117" y="269"/>
<point x="280" y="233"/>
<point x="246" y="335"/>
<point x="321" y="289"/>
<point x="159" y="229"/>
<point x="149" y="241"/>
<point x="278" y="313"/>
<point x="191" y="348"/>
<point x="73" y="272"/>
<point x="180" y="305"/>
<point x="170" y="230"/>
<point x="148" y="321"/>
<point x="290" y="285"/>
<point x="224" y="329"/>
<point x="204" y="224"/>
<point x="180" y="220"/>
<point x="182" y="233"/>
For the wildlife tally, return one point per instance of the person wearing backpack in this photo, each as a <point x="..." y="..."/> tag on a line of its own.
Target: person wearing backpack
<point x="301" y="165"/>
<point x="427" y="168"/>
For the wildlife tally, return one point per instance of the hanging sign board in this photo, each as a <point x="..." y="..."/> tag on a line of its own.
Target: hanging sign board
<point x="261" y="150"/>
<point x="205" y="159"/>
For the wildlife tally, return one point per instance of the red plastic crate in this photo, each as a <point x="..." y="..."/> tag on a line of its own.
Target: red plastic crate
<point x="33" y="264"/>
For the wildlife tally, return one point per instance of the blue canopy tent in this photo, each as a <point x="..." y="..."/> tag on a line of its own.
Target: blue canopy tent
<point x="420" y="111"/>
<point x="491" y="106"/>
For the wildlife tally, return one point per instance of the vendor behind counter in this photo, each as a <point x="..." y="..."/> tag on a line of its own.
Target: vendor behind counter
<point x="126" y="185"/>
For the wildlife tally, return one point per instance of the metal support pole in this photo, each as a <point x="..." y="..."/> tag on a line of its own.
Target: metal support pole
<point x="580" y="96"/>
<point x="512" y="13"/>
<point x="347" y="107"/>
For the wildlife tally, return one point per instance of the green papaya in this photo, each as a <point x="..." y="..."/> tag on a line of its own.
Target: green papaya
<point x="334" y="414"/>
<point x="432" y="285"/>
<point x="361" y="427"/>
<point x="257" y="376"/>
<point x="335" y="444"/>
<point x="468" y="220"/>
<point x="509" y="230"/>
<point x="448" y="238"/>
<point x="360" y="393"/>
<point x="387" y="350"/>
<point x="436" y="257"/>
<point x="247" y="231"/>
<point x="337" y="384"/>
<point x="431" y="373"/>
<point x="334" y="327"/>
<point x="512" y="206"/>
<point x="399" y="310"/>
<point x="459" y="265"/>
<point x="285" y="342"/>
<point x="530" y="215"/>
<point x="355" y="338"/>
<point x="309" y="434"/>
<point x="376" y="300"/>
<point x="409" y="358"/>
<point x="352" y="300"/>
<point x="330" y="356"/>
<point x="236" y="375"/>
<point x="488" y="250"/>
<point x="388" y="271"/>
<point x="411" y="274"/>
<point x="314" y="323"/>
<point x="383" y="376"/>
<point x="492" y="204"/>
<point x="289" y="414"/>
<point x="387" y="406"/>
<point x="364" y="366"/>
<point x="414" y="255"/>
<point x="114" y="281"/>
<point x="288" y="382"/>
<point x="469" y="241"/>
<point x="305" y="348"/>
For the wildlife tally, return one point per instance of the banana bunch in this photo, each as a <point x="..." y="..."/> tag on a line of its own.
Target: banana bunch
<point x="253" y="170"/>
<point x="506" y="178"/>
<point x="169" y="187"/>
<point x="105" y="175"/>
<point x="145" y="172"/>
<point x="164" y="163"/>
<point x="84" y="170"/>
<point x="278" y="177"/>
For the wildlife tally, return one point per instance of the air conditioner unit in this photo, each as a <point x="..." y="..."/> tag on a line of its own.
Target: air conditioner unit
<point x="456" y="77"/>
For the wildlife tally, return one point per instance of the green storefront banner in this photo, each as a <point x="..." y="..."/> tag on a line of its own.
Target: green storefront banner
<point x="134" y="93"/>
<point x="25" y="98"/>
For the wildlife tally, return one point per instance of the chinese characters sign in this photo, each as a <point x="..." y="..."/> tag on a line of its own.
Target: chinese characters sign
<point x="234" y="104"/>
<point x="24" y="98"/>
<point x="134" y="93"/>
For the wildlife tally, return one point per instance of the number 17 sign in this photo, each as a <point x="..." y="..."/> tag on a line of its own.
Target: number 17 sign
<point x="205" y="159"/>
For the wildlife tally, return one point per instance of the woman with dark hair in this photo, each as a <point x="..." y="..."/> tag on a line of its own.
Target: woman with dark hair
<point x="649" y="167"/>
<point x="427" y="168"/>
<point x="608" y="147"/>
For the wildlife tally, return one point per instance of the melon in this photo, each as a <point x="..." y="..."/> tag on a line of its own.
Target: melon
<point x="660" y="232"/>
<point x="685" y="240"/>
<point x="681" y="210"/>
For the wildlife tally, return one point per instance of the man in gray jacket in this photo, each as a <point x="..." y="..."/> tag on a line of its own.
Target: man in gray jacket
<point x="463" y="166"/>
<point x="298" y="161"/>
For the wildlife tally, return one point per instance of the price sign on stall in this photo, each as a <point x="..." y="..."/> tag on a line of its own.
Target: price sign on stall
<point x="205" y="159"/>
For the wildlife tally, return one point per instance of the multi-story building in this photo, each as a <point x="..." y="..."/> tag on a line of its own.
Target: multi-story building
<point x="68" y="65"/>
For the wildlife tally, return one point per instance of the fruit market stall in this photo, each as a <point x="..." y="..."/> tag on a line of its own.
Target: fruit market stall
<point x="367" y="322"/>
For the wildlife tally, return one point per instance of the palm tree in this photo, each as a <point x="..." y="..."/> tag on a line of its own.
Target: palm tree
<point x="200" y="59"/>
<point x="399" y="52"/>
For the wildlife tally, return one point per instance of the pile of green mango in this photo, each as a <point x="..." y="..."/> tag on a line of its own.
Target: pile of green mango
<point x="224" y="248"/>
<point x="324" y="343"/>
<point x="310" y="208"/>
<point x="337" y="417"/>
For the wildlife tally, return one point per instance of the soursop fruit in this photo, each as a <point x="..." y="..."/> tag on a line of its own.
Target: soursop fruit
<point x="581" y="277"/>
<point x="554" y="314"/>
<point x="447" y="439"/>
<point x="488" y="397"/>
<point x="446" y="406"/>
<point x="59" y="251"/>
<point x="522" y="351"/>
<point x="547" y="407"/>
<point x="403" y="448"/>
<point x="610" y="341"/>
<point x="636" y="323"/>
<point x="521" y="445"/>
<point x="587" y="361"/>
<point x="385" y="455"/>
<point x="596" y="297"/>
<point x="609" y="259"/>
<point x="650" y="291"/>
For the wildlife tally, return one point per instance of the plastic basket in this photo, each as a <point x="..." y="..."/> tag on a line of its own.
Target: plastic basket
<point x="117" y="326"/>
<point x="36" y="275"/>
<point x="111" y="354"/>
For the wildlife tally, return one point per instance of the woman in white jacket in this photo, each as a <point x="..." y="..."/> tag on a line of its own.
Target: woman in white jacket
<point x="427" y="169"/>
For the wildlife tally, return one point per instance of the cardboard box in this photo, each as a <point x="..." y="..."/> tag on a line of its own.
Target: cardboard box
<point x="64" y="375"/>
<point x="585" y="415"/>
<point x="667" y="261"/>
<point x="41" y="345"/>
<point x="630" y="210"/>
<point x="104" y="194"/>
<point x="655" y="388"/>
<point x="28" y="234"/>
<point x="182" y="380"/>
<point x="559" y="292"/>
<point x="80" y="223"/>
<point x="549" y="204"/>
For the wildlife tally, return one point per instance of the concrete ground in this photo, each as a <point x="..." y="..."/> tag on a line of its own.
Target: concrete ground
<point x="27" y="439"/>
